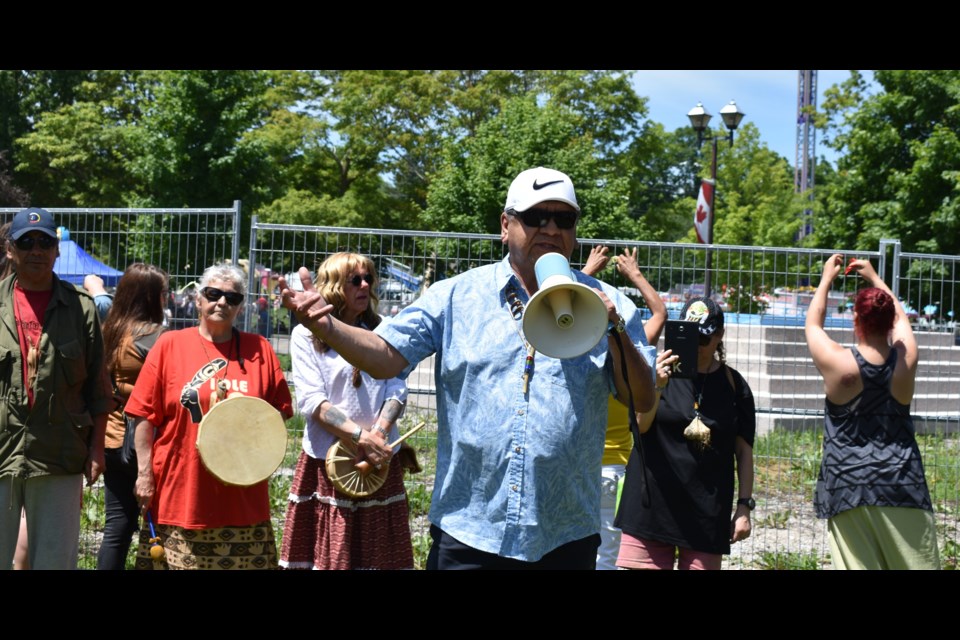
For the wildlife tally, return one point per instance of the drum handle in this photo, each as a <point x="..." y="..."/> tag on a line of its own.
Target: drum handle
<point x="364" y="467"/>
<point x="406" y="435"/>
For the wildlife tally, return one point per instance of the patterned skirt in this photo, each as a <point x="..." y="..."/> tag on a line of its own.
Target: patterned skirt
<point x="234" y="548"/>
<point x="326" y="529"/>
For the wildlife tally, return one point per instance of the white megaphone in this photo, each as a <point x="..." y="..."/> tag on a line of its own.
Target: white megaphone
<point x="564" y="319"/>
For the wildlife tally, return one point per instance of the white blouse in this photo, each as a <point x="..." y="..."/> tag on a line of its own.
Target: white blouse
<point x="319" y="377"/>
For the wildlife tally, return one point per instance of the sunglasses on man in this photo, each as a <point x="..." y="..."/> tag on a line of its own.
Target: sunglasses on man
<point x="356" y="280"/>
<point x="25" y="243"/>
<point x="537" y="218"/>
<point x="213" y="295"/>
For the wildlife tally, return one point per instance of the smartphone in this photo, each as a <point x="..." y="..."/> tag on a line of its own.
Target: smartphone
<point x="683" y="338"/>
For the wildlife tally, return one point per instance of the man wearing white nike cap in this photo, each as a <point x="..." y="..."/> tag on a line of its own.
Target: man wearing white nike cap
<point x="520" y="434"/>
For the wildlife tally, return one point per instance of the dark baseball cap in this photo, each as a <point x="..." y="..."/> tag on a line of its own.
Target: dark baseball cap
<point x="704" y="311"/>
<point x="33" y="219"/>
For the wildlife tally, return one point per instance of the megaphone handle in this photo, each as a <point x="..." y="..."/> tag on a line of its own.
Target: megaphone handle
<point x="528" y="369"/>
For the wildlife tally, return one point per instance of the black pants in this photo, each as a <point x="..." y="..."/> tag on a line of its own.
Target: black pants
<point x="122" y="512"/>
<point x="448" y="553"/>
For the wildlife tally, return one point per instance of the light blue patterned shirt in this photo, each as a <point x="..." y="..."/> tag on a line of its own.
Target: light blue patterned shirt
<point x="516" y="474"/>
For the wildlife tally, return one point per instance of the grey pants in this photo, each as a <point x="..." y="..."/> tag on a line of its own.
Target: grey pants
<point x="52" y="505"/>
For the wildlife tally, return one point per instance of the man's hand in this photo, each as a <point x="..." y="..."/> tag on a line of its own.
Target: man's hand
<point x="94" y="466"/>
<point x="94" y="285"/>
<point x="308" y="305"/>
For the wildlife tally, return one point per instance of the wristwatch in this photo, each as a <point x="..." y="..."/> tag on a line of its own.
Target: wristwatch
<point x="749" y="503"/>
<point x="617" y="326"/>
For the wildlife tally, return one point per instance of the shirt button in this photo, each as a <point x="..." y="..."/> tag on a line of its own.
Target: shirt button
<point x="517" y="450"/>
<point x="519" y="412"/>
<point x="513" y="487"/>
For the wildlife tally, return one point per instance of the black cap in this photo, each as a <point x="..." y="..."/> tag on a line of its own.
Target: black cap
<point x="704" y="311"/>
<point x="33" y="219"/>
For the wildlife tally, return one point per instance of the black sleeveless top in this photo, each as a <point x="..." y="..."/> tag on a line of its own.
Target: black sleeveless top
<point x="870" y="453"/>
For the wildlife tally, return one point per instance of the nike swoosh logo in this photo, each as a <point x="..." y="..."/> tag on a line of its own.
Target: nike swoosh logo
<point x="537" y="187"/>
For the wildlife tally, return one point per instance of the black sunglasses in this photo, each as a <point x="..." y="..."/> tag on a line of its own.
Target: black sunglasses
<point x="356" y="280"/>
<point x="213" y="295"/>
<point x="540" y="217"/>
<point x="25" y="243"/>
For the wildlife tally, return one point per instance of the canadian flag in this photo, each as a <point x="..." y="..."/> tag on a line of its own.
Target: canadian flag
<point x="701" y="219"/>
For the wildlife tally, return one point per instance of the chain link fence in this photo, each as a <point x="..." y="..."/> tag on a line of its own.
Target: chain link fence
<point x="765" y="289"/>
<point x="182" y="242"/>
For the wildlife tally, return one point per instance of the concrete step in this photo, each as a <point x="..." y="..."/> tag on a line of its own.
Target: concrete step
<point x="924" y="424"/>
<point x="796" y="334"/>
<point x="814" y="384"/>
<point x="927" y="353"/>
<point x="945" y="403"/>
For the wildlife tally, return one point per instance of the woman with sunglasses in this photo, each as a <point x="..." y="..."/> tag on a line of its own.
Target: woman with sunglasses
<point x="871" y="487"/>
<point x="677" y="499"/>
<point x="325" y="528"/>
<point x="132" y="327"/>
<point x="202" y="522"/>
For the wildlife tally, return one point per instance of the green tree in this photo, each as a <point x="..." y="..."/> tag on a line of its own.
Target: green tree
<point x="898" y="177"/>
<point x="755" y="201"/>
<point x="82" y="153"/>
<point x="468" y="192"/>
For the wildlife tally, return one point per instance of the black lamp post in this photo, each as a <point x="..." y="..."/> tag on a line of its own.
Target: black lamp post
<point x="699" y="119"/>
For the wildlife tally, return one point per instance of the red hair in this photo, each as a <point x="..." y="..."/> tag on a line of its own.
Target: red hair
<point x="875" y="311"/>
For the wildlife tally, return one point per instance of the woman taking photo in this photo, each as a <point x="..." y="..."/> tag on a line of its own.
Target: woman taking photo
<point x="871" y="486"/>
<point x="325" y="528"/>
<point x="679" y="502"/>
<point x="132" y="327"/>
<point x="202" y="522"/>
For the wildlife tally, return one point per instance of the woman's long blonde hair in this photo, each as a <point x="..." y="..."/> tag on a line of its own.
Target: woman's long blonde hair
<point x="332" y="275"/>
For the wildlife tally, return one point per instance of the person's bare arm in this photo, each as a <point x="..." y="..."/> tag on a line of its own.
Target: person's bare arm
<point x="336" y="422"/>
<point x="901" y="336"/>
<point x="665" y="360"/>
<point x="740" y="525"/>
<point x="824" y="351"/>
<point x="902" y="331"/>
<point x="143" y="442"/>
<point x="628" y="268"/>
<point x="359" y="347"/>
<point x="640" y="376"/>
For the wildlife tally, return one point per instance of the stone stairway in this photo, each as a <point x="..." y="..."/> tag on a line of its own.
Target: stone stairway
<point x="786" y="385"/>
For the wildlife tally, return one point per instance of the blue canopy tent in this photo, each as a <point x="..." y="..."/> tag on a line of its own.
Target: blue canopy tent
<point x="74" y="264"/>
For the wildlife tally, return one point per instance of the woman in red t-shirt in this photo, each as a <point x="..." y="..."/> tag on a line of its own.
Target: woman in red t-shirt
<point x="202" y="522"/>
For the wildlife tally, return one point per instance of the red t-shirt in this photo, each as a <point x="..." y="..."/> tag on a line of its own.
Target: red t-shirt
<point x="28" y="310"/>
<point x="173" y="393"/>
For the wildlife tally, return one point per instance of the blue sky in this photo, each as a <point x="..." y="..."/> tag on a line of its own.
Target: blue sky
<point x="769" y="98"/>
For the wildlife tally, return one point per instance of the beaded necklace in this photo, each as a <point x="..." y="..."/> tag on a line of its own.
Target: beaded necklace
<point x="222" y="385"/>
<point x="516" y="310"/>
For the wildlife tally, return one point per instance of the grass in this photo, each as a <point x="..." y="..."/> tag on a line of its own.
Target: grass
<point x="787" y="463"/>
<point x="788" y="460"/>
<point x="775" y="520"/>
<point x="941" y="464"/>
<point x="793" y="561"/>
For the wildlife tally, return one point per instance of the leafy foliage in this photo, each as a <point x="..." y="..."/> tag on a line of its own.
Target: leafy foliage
<point x="898" y="177"/>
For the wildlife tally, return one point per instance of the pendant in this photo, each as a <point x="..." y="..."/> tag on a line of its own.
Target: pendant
<point x="697" y="432"/>
<point x="222" y="387"/>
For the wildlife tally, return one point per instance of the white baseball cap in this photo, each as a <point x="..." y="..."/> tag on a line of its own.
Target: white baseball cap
<point x="534" y="186"/>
